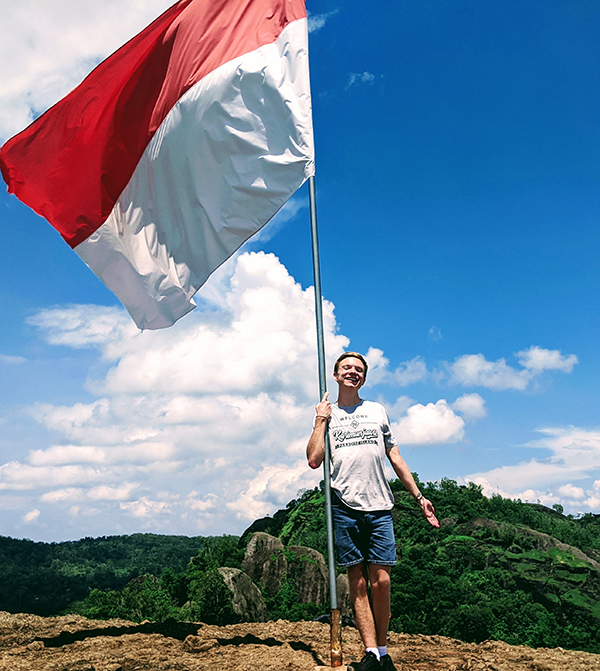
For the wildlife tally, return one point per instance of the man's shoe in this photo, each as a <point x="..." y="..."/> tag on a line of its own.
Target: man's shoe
<point x="368" y="663"/>
<point x="387" y="664"/>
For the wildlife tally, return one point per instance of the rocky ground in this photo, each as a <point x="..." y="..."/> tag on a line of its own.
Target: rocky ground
<point x="72" y="643"/>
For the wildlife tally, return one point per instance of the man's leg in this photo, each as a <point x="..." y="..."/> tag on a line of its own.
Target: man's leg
<point x="379" y="576"/>
<point x="359" y="596"/>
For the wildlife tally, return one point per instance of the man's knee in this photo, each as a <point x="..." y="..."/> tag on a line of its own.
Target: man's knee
<point x="357" y="581"/>
<point x="380" y="578"/>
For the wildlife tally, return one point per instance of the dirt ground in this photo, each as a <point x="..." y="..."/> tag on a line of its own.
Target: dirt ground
<point x="72" y="643"/>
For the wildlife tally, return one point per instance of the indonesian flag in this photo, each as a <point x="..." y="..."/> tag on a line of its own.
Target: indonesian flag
<point x="174" y="150"/>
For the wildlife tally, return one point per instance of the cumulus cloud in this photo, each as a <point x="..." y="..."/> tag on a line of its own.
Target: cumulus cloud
<point x="471" y="406"/>
<point x="47" y="48"/>
<point x="569" y="491"/>
<point x="539" y="359"/>
<point x="272" y="488"/>
<point x="407" y="372"/>
<point x="431" y="424"/>
<point x="570" y="454"/>
<point x="84" y="326"/>
<point x="191" y="423"/>
<point x="476" y="370"/>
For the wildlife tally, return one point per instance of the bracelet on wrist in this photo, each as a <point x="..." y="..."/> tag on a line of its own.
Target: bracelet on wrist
<point x="418" y="497"/>
<point x="323" y="416"/>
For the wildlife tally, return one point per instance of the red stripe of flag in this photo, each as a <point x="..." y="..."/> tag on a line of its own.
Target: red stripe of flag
<point x="73" y="162"/>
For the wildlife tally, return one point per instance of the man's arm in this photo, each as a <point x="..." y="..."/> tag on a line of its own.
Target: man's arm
<point x="315" y="450"/>
<point x="403" y="472"/>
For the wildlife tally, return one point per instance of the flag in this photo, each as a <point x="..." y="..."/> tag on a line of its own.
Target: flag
<point x="175" y="149"/>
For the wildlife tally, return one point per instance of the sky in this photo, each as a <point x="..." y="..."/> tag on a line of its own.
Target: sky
<point x="457" y="172"/>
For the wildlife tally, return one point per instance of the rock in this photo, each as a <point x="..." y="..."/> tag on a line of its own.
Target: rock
<point x="197" y="644"/>
<point x="310" y="575"/>
<point x="265" y="562"/>
<point x="343" y="595"/>
<point x="247" y="601"/>
<point x="35" y="645"/>
<point x="448" y="521"/>
<point x="540" y="541"/>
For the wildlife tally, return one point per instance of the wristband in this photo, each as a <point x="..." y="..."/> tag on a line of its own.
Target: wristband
<point x="323" y="416"/>
<point x="418" y="497"/>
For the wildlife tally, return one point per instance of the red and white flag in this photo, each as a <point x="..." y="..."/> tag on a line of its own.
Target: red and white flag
<point x="174" y="150"/>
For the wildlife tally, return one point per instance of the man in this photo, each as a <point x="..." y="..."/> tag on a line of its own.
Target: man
<point x="362" y="500"/>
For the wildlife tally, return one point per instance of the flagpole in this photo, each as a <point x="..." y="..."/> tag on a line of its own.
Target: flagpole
<point x="336" y="630"/>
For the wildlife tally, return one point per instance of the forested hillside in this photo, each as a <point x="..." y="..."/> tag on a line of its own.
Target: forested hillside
<point x="496" y="569"/>
<point x="44" y="578"/>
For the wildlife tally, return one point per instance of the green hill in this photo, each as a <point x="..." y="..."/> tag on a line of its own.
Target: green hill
<point x="496" y="569"/>
<point x="44" y="578"/>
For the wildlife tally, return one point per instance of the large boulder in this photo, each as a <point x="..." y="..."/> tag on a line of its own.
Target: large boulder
<point x="265" y="562"/>
<point x="309" y="572"/>
<point x="246" y="599"/>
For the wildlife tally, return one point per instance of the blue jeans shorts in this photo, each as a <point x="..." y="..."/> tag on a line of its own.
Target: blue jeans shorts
<point x="362" y="536"/>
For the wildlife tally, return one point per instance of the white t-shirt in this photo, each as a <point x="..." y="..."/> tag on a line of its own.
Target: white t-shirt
<point x="360" y="437"/>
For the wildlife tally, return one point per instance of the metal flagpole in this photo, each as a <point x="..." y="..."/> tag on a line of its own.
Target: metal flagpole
<point x="336" y="629"/>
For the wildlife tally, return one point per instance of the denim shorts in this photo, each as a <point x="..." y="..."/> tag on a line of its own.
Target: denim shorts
<point x="362" y="536"/>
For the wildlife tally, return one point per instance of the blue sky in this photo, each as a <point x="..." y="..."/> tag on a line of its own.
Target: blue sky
<point x="457" y="176"/>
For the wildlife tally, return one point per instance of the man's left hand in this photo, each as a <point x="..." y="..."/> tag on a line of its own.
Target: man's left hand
<point x="429" y="512"/>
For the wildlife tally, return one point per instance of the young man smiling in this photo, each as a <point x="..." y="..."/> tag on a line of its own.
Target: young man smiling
<point x="360" y="439"/>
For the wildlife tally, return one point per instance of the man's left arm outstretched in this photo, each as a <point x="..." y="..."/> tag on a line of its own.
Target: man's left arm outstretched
<point x="403" y="472"/>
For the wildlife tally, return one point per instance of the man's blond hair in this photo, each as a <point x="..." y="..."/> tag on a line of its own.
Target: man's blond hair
<point x="348" y="355"/>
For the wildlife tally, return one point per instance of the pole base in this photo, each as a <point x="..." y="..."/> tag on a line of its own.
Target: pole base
<point x="336" y="638"/>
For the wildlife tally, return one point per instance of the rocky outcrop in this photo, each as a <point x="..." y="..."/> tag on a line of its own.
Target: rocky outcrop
<point x="265" y="562"/>
<point x="343" y="595"/>
<point x="309" y="573"/>
<point x="540" y="541"/>
<point x="246" y="599"/>
<point x="268" y="563"/>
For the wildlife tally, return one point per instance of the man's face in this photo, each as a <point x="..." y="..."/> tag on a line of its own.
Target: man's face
<point x="350" y="373"/>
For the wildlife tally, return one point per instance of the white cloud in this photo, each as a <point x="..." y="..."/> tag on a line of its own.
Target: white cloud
<point x="475" y="369"/>
<point x="108" y="493"/>
<point x="84" y="326"/>
<point x="472" y="406"/>
<point x="574" y="456"/>
<point x="435" y="333"/>
<point x="67" y="454"/>
<point x="31" y="516"/>
<point x="398" y="409"/>
<point x="317" y="21"/>
<point x="431" y="424"/>
<point x="209" y="413"/>
<point x="355" y="78"/>
<point x="47" y="48"/>
<point x="62" y="495"/>
<point x="378" y="363"/>
<point x="569" y="491"/>
<point x="145" y="507"/>
<point x="272" y="488"/>
<point x="12" y="360"/>
<point x="538" y="359"/>
<point x="408" y="372"/>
